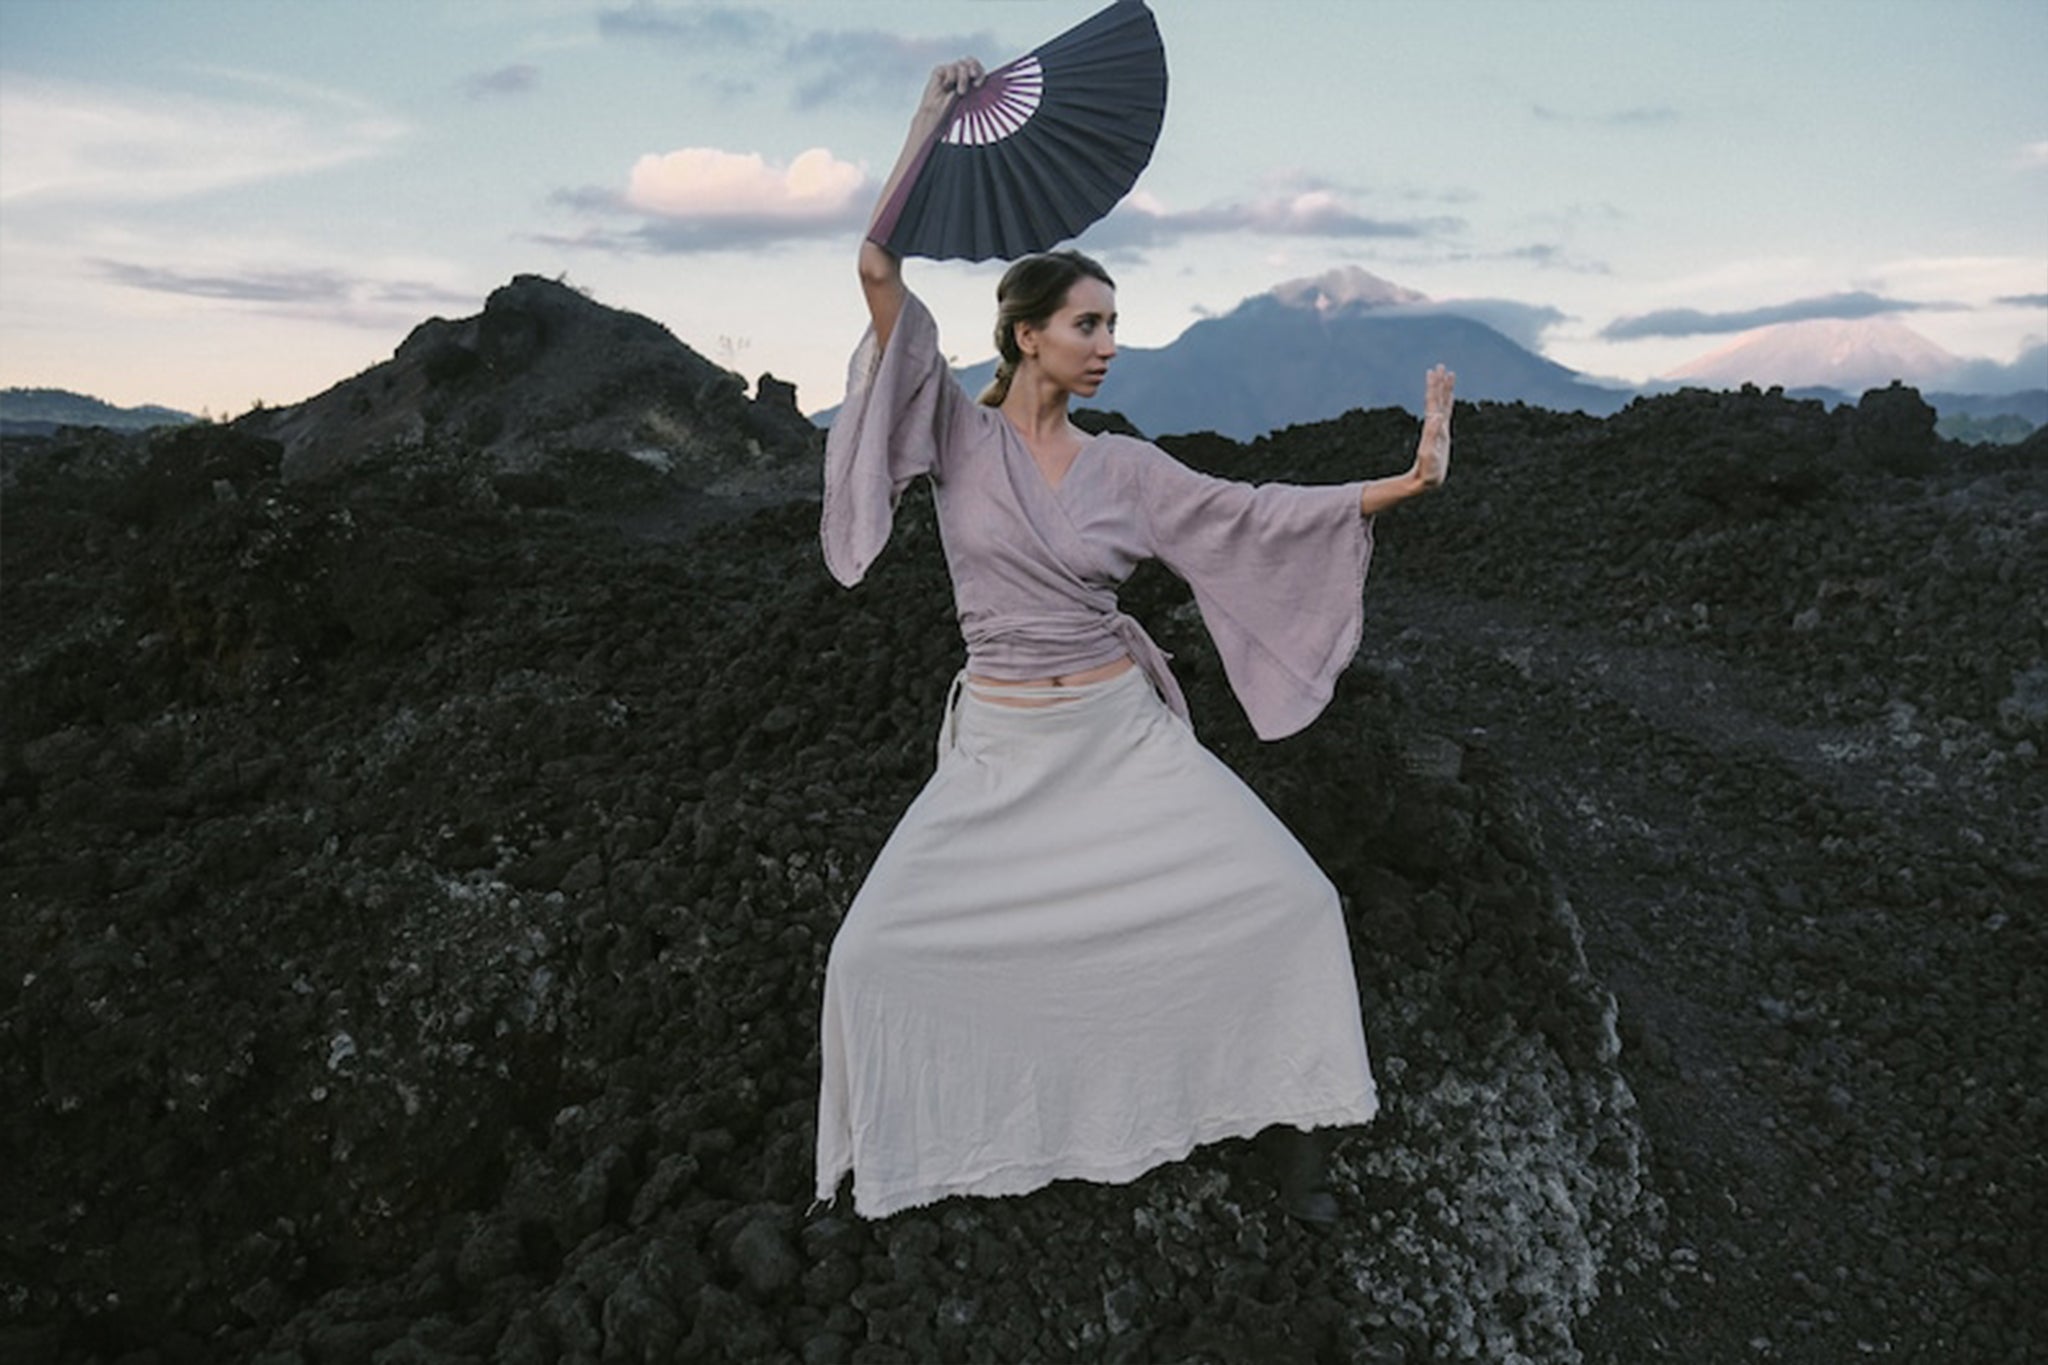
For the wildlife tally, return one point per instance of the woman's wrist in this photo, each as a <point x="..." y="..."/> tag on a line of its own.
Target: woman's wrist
<point x="1377" y="495"/>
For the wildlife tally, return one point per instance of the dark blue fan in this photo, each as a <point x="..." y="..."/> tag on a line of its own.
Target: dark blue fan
<point x="1045" y="146"/>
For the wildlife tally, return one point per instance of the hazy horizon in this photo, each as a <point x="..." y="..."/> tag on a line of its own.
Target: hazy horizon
<point x="211" y="204"/>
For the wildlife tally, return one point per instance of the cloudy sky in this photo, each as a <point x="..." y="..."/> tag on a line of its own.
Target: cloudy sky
<point x="210" y="203"/>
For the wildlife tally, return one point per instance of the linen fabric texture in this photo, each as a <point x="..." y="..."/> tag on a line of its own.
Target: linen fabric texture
<point x="1087" y="947"/>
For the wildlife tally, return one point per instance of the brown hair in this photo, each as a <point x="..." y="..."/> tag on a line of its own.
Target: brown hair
<point x="1032" y="290"/>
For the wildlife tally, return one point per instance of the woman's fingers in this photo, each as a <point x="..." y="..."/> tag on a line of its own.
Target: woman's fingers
<point x="1437" y="390"/>
<point x="957" y="78"/>
<point x="949" y="81"/>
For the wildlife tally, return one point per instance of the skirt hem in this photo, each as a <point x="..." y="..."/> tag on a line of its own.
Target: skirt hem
<point x="1027" y="1178"/>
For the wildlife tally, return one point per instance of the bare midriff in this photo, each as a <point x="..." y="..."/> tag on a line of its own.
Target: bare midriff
<point x="990" y="687"/>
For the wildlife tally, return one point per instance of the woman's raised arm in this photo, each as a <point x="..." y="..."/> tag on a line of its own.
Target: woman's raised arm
<point x="881" y="271"/>
<point x="1432" y="453"/>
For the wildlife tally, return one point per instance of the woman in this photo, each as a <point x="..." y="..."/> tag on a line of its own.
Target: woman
<point x="1087" y="947"/>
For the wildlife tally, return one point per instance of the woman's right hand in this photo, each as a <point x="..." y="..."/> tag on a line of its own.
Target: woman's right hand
<point x="949" y="81"/>
<point x="881" y="273"/>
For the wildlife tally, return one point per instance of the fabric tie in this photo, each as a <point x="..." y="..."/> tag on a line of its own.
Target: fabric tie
<point x="1144" y="651"/>
<point x="1152" y="661"/>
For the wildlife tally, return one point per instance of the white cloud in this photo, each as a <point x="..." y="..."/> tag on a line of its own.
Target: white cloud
<point x="128" y="274"/>
<point x="1526" y="324"/>
<point x="1313" y="210"/>
<point x="2034" y="155"/>
<point x="1686" y="322"/>
<point x="68" y="141"/>
<point x="341" y="295"/>
<point x="706" y="183"/>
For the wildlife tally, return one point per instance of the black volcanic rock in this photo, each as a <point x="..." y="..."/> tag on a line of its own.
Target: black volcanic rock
<point x="1894" y="428"/>
<point x="416" y="899"/>
<point x="545" y="373"/>
<point x="1748" y="525"/>
<point x="418" y="902"/>
<point x="193" y="464"/>
<point x="775" y="417"/>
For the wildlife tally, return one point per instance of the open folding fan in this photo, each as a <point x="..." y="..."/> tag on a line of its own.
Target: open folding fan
<point x="1042" y="148"/>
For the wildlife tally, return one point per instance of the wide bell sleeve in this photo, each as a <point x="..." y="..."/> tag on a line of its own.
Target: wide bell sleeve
<point x="1278" y="572"/>
<point x="902" y="404"/>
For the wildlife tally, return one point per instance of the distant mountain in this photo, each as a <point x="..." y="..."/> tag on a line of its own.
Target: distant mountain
<point x="38" y="412"/>
<point x="1847" y="355"/>
<point x="2030" y="404"/>
<point x="1853" y="357"/>
<point x="1837" y="362"/>
<point x="545" y="371"/>
<point x="1314" y="348"/>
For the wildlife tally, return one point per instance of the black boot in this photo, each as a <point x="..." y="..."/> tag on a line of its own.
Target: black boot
<point x="1297" y="1159"/>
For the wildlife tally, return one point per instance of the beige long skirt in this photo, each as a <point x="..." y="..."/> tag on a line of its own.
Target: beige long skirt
<point x="1086" y="949"/>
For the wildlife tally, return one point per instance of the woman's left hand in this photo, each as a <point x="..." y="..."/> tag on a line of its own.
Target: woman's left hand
<point x="1432" y="456"/>
<point x="1433" y="453"/>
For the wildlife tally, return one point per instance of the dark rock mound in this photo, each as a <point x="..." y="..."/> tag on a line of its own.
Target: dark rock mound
<point x="545" y="371"/>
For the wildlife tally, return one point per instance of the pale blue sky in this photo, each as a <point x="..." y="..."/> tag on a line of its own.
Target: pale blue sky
<point x="205" y="203"/>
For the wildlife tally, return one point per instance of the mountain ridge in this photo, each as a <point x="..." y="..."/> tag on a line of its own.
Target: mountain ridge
<point x="41" y="411"/>
<point x="1312" y="348"/>
<point x="544" y="370"/>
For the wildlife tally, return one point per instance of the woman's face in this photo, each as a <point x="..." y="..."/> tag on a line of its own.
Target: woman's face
<point x="1077" y="342"/>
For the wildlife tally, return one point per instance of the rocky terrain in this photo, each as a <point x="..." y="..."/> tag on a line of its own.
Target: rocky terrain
<point x="418" y="878"/>
<point x="1772" y="678"/>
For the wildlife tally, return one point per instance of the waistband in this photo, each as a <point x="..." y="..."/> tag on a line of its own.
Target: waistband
<point x="1118" y="626"/>
<point x="1047" y="709"/>
<point x="1052" y="694"/>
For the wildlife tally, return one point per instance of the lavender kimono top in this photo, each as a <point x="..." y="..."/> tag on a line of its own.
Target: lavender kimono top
<point x="1278" y="570"/>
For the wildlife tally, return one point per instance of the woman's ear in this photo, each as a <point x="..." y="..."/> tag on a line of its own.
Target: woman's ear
<point x="1026" y="337"/>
